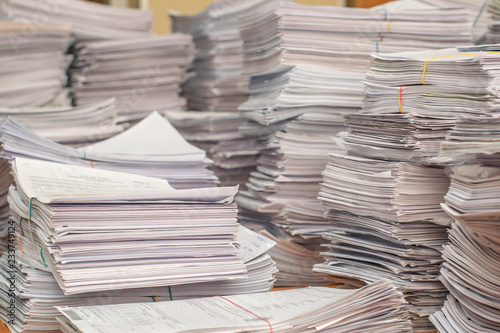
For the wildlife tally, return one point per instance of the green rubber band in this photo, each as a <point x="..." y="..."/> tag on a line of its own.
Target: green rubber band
<point x="170" y="292"/>
<point x="43" y="259"/>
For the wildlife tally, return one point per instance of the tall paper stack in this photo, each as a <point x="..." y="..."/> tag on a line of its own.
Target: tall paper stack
<point x="33" y="64"/>
<point x="412" y="101"/>
<point x="471" y="259"/>
<point x="308" y="65"/>
<point x="219" y="87"/>
<point x="219" y="84"/>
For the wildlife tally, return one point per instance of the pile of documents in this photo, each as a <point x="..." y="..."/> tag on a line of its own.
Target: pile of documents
<point x="412" y="100"/>
<point x="296" y="111"/>
<point x="307" y="75"/>
<point x="435" y="83"/>
<point x="375" y="308"/>
<point x="473" y="198"/>
<point x="337" y="36"/>
<point x="100" y="230"/>
<point x="395" y="191"/>
<point x="396" y="137"/>
<point x="218" y="84"/>
<point x="478" y="15"/>
<point x="153" y="148"/>
<point x="37" y="292"/>
<point x="34" y="65"/>
<point x="472" y="139"/>
<point x="68" y="124"/>
<point x="387" y="224"/>
<point x="470" y="272"/>
<point x="143" y="74"/>
<point x="234" y="156"/>
<point x="471" y="267"/>
<point x="88" y="20"/>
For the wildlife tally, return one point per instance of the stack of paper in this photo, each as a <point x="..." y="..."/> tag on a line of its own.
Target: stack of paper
<point x="102" y="230"/>
<point x="234" y="156"/>
<point x="88" y="20"/>
<point x="218" y="84"/>
<point x="330" y="36"/>
<point x="144" y="74"/>
<point x="396" y="137"/>
<point x="67" y="124"/>
<point x="34" y="65"/>
<point x="470" y="272"/>
<point x="473" y="198"/>
<point x="305" y="105"/>
<point x="378" y="307"/>
<point x="425" y="82"/>
<point x="37" y="293"/>
<point x="307" y="75"/>
<point x="478" y="15"/>
<point x="395" y="191"/>
<point x="472" y="138"/>
<point x="412" y="100"/>
<point x="386" y="218"/>
<point x="153" y="147"/>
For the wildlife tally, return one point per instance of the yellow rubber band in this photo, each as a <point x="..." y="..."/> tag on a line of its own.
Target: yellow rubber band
<point x="450" y="56"/>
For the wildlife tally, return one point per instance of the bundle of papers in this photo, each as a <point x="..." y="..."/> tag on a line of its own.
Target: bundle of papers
<point x="290" y="91"/>
<point x="472" y="138"/>
<point x="378" y="307"/>
<point x="34" y="65"/>
<point x="395" y="191"/>
<point x="439" y="83"/>
<point x="478" y="15"/>
<point x="234" y="156"/>
<point x="395" y="137"/>
<point x="218" y="84"/>
<point x="69" y="124"/>
<point x="153" y="147"/>
<point x="98" y="230"/>
<point x="386" y="220"/>
<point x="88" y="20"/>
<point x="473" y="198"/>
<point x="37" y="293"/>
<point x="470" y="272"/>
<point x="343" y="37"/>
<point x="143" y="74"/>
